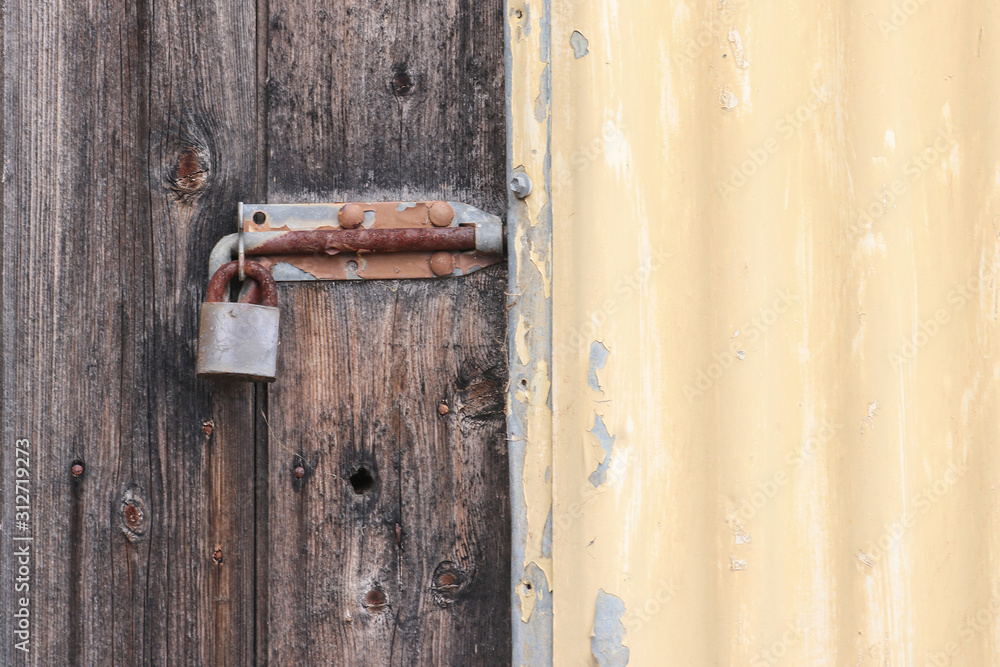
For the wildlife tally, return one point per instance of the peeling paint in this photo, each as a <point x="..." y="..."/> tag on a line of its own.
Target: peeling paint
<point x="580" y="44"/>
<point x="529" y="409"/>
<point x="521" y="340"/>
<point x="739" y="55"/>
<point x="609" y="631"/>
<point x="527" y="592"/>
<point x="873" y="232"/>
<point x="598" y="357"/>
<point x="607" y="443"/>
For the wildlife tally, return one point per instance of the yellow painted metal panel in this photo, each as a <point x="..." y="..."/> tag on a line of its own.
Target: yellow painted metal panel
<point x="775" y="357"/>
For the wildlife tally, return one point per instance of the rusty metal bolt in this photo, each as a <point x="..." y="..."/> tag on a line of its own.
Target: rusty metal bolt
<point x="77" y="469"/>
<point x="441" y="214"/>
<point x="217" y="555"/>
<point x="521" y="185"/>
<point x="351" y="216"/>
<point x="299" y="472"/>
<point x="442" y="263"/>
<point x="443" y="409"/>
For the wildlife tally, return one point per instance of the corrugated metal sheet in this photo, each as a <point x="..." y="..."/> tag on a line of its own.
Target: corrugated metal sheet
<point x="775" y="363"/>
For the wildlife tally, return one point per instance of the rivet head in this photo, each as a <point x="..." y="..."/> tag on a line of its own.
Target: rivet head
<point x="521" y="185"/>
<point x="299" y="472"/>
<point x="77" y="469"/>
<point x="442" y="263"/>
<point x="351" y="216"/>
<point x="441" y="214"/>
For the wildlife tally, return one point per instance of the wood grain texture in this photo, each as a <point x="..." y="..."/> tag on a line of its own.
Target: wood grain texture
<point x="387" y="100"/>
<point x="126" y="147"/>
<point x="130" y="132"/>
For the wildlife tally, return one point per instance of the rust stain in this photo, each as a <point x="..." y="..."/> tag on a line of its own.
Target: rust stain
<point x="190" y="176"/>
<point x="260" y="273"/>
<point x="387" y="215"/>
<point x="132" y="514"/>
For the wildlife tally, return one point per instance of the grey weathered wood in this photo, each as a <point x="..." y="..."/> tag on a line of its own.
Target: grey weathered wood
<point x="130" y="132"/>
<point x="126" y="146"/>
<point x="203" y="154"/>
<point x="387" y="100"/>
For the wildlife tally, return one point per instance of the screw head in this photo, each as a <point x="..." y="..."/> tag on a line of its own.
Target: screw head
<point x="299" y="472"/>
<point x="350" y="216"/>
<point x="521" y="185"/>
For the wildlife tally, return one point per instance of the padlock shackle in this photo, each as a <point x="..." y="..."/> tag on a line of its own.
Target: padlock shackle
<point x="261" y="274"/>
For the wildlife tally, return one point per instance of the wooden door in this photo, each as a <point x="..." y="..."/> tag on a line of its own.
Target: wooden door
<point x="166" y="525"/>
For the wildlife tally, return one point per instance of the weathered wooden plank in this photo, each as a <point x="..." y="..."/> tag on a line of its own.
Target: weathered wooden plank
<point x="126" y="145"/>
<point x="393" y="548"/>
<point x="203" y="153"/>
<point x="75" y="318"/>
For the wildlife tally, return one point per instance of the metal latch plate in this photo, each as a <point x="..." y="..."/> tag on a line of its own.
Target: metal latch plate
<point x="348" y="265"/>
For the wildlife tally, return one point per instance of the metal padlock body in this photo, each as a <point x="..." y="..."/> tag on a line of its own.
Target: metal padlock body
<point x="239" y="340"/>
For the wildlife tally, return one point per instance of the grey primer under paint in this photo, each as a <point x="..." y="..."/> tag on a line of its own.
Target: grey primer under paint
<point x="580" y="44"/>
<point x="607" y="442"/>
<point x="598" y="357"/>
<point x="609" y="631"/>
<point x="532" y="638"/>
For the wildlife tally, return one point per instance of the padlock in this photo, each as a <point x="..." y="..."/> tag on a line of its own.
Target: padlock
<point x="239" y="340"/>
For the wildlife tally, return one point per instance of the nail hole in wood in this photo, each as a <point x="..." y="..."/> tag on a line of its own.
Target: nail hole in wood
<point x="362" y="481"/>
<point x="402" y="83"/>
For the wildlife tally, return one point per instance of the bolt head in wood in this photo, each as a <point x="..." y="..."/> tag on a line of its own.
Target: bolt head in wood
<point x="442" y="263"/>
<point x="350" y="216"/>
<point x="441" y="214"/>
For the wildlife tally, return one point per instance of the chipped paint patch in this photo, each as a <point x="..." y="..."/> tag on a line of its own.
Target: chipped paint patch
<point x="541" y="263"/>
<point x="742" y="61"/>
<point x="606" y="641"/>
<point x="728" y="99"/>
<point x="580" y="44"/>
<point x="528" y="596"/>
<point x="607" y="443"/>
<point x="521" y="341"/>
<point x="598" y="357"/>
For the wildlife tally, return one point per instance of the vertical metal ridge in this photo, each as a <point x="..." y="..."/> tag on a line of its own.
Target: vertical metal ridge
<point x="773" y="264"/>
<point x="529" y="417"/>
